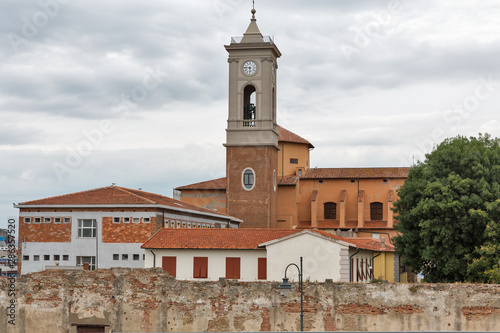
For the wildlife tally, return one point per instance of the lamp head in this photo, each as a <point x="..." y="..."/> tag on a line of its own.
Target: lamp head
<point x="285" y="284"/>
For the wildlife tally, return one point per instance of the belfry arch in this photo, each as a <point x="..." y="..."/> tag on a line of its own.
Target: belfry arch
<point x="249" y="108"/>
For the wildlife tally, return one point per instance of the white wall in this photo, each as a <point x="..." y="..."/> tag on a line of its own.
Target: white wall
<point x="82" y="246"/>
<point x="216" y="262"/>
<point x="321" y="258"/>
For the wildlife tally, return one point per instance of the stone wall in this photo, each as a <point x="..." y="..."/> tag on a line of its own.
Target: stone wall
<point x="148" y="300"/>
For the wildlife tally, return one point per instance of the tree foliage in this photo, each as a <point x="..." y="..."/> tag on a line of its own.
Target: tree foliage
<point x="449" y="212"/>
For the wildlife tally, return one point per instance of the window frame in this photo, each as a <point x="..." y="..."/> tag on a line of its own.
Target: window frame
<point x="248" y="179"/>
<point x="81" y="228"/>
<point x="80" y="262"/>
<point x="261" y="268"/>
<point x="27" y="220"/>
<point x="233" y="268"/>
<point x="200" y="267"/>
<point x="169" y="265"/>
<point x="376" y="210"/>
<point x="327" y="210"/>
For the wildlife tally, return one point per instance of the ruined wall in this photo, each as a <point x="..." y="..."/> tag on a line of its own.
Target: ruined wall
<point x="147" y="300"/>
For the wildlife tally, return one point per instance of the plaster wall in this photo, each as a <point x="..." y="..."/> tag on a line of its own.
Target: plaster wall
<point x="148" y="300"/>
<point x="321" y="258"/>
<point x="290" y="150"/>
<point x="216" y="262"/>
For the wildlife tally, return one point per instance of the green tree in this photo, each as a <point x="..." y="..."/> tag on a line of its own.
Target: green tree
<point x="448" y="212"/>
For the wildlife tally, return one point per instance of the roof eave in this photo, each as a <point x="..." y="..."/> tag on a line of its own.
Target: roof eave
<point x="184" y="210"/>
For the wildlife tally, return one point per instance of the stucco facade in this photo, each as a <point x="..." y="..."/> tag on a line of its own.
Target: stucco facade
<point x="103" y="227"/>
<point x="263" y="254"/>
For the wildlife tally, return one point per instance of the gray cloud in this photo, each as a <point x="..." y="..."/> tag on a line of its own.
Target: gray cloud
<point x="90" y="60"/>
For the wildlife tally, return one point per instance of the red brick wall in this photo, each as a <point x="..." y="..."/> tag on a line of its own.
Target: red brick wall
<point x="258" y="207"/>
<point x="44" y="232"/>
<point x="127" y="232"/>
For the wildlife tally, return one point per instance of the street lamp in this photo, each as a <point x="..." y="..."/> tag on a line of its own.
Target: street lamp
<point x="287" y="286"/>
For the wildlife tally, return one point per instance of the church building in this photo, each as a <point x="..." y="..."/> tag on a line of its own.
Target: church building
<point x="269" y="182"/>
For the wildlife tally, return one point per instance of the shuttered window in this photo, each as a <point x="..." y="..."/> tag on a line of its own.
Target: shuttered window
<point x="169" y="264"/>
<point x="233" y="268"/>
<point x="376" y="211"/>
<point x="200" y="267"/>
<point x="262" y="269"/>
<point x="330" y="210"/>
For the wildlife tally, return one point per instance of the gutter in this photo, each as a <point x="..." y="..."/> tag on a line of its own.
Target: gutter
<point x="184" y="210"/>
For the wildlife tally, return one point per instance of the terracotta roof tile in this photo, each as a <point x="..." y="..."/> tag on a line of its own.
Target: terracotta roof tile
<point x="225" y="238"/>
<point x="116" y="195"/>
<point x="240" y="239"/>
<point x="352" y="173"/>
<point x="288" y="180"/>
<point x="214" y="184"/>
<point x="285" y="135"/>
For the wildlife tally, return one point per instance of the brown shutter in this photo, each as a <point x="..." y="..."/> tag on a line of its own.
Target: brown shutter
<point x="233" y="268"/>
<point x="169" y="264"/>
<point x="262" y="269"/>
<point x="200" y="267"/>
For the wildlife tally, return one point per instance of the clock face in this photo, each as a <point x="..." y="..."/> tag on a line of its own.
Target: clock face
<point x="249" y="68"/>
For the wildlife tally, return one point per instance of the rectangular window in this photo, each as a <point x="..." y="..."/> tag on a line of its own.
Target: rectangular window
<point x="116" y="256"/>
<point x="87" y="228"/>
<point x="116" y="220"/>
<point x="36" y="257"/>
<point x="146" y="220"/>
<point x="124" y="256"/>
<point x="27" y="220"/>
<point x="57" y="257"/>
<point x="169" y="264"/>
<point x="46" y="220"/>
<point x="126" y="220"/>
<point x="65" y="257"/>
<point x="67" y="220"/>
<point x="46" y="257"/>
<point x="200" y="267"/>
<point x="262" y="269"/>
<point x="37" y="220"/>
<point x="26" y="258"/>
<point x="233" y="268"/>
<point x="80" y="261"/>
<point x="57" y="220"/>
<point x="294" y="161"/>
<point x="135" y="257"/>
<point x="376" y="211"/>
<point x="136" y="220"/>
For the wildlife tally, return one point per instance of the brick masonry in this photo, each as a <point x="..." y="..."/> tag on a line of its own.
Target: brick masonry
<point x="148" y="300"/>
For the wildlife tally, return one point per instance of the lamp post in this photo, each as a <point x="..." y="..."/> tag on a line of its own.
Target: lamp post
<point x="287" y="286"/>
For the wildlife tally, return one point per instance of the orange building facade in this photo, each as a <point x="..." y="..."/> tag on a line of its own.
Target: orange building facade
<point x="269" y="182"/>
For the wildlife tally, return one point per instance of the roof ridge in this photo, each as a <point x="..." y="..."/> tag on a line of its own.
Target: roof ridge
<point x="126" y="190"/>
<point x="67" y="194"/>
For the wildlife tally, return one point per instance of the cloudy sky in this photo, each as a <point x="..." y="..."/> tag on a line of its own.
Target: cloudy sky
<point x="135" y="92"/>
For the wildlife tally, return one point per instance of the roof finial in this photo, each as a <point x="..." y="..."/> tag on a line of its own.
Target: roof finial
<point x="253" y="9"/>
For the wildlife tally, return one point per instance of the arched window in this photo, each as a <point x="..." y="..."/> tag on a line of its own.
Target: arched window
<point x="330" y="210"/>
<point x="376" y="211"/>
<point x="249" y="110"/>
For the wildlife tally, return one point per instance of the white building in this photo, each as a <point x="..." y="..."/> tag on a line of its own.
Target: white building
<point x="262" y="254"/>
<point x="103" y="227"/>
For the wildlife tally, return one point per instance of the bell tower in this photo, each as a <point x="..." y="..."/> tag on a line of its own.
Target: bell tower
<point x="251" y="134"/>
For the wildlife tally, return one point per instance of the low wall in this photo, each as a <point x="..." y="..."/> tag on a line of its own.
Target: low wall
<point x="148" y="300"/>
